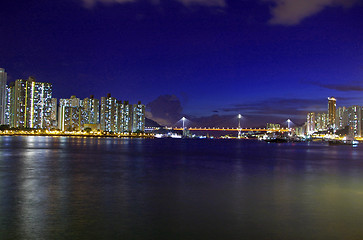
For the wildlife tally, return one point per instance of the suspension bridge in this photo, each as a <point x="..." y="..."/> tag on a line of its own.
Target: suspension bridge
<point x="234" y="129"/>
<point x="184" y="121"/>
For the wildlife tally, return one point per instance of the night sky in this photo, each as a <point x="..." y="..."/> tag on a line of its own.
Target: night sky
<point x="206" y="59"/>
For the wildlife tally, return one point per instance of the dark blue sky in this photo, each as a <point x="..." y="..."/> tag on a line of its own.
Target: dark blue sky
<point x="266" y="59"/>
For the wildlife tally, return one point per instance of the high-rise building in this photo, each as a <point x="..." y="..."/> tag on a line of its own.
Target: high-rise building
<point x="3" y="78"/>
<point x="109" y="114"/>
<point x="355" y="121"/>
<point x="7" y="109"/>
<point x="321" y="122"/>
<point x="30" y="104"/>
<point x="53" y="115"/>
<point x="92" y="110"/>
<point x="301" y="131"/>
<point x="310" y="123"/>
<point x="71" y="116"/>
<point x="70" y="102"/>
<point x="332" y="105"/>
<point x="342" y="117"/>
<point x="273" y="126"/>
<point x="138" y="117"/>
<point x="121" y="117"/>
<point x="126" y="117"/>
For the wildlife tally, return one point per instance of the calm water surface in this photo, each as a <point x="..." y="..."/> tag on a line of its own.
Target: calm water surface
<point x="91" y="188"/>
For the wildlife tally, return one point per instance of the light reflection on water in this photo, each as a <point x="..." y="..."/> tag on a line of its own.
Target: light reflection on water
<point x="96" y="188"/>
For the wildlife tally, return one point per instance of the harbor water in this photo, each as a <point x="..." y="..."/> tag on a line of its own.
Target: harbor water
<point x="113" y="188"/>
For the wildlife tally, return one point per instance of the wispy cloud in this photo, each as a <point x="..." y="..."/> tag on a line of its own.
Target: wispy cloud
<point x="278" y="106"/>
<point x="292" y="12"/>
<point x="340" y="87"/>
<point x="343" y="88"/>
<point x="207" y="3"/>
<point x="284" y="12"/>
<point x="167" y="110"/>
<point x="277" y="109"/>
<point x="92" y="3"/>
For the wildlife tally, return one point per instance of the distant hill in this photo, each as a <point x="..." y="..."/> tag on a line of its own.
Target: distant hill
<point x="151" y="123"/>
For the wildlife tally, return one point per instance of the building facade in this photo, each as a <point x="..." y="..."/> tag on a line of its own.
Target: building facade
<point x="273" y="126"/>
<point x="310" y="123"/>
<point x="332" y="105"/>
<point x="126" y="117"/>
<point x="342" y="117"/>
<point x="54" y="111"/>
<point x="30" y="104"/>
<point x="3" y="93"/>
<point x="109" y="114"/>
<point x="92" y="110"/>
<point x="121" y="117"/>
<point x="8" y="102"/>
<point x="321" y="122"/>
<point x="138" y="117"/>
<point x="355" y="121"/>
<point x="71" y="115"/>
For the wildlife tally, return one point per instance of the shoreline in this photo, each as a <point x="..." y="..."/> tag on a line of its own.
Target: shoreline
<point x="80" y="135"/>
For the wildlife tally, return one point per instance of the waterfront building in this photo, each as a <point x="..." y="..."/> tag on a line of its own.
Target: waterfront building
<point x="342" y="117"/>
<point x="70" y="102"/>
<point x="7" y="109"/>
<point x="126" y="117"/>
<point x="121" y="117"/>
<point x="71" y="116"/>
<point x="310" y="123"/>
<point x="92" y="110"/>
<point x="119" y="114"/>
<point x="273" y="126"/>
<point x="355" y="121"/>
<point x="30" y="104"/>
<point x="109" y="114"/>
<point x="302" y="130"/>
<point x="138" y="117"/>
<point x="3" y="92"/>
<point x="332" y="105"/>
<point x="53" y="115"/>
<point x="321" y="122"/>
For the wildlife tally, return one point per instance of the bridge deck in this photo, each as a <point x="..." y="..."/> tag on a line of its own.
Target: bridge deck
<point x="236" y="129"/>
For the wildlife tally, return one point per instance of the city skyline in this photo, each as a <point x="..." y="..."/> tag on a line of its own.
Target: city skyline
<point x="93" y="112"/>
<point x="28" y="104"/>
<point x="192" y="58"/>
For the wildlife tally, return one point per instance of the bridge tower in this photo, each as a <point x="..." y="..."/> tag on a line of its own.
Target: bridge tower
<point x="183" y="120"/>
<point x="239" y="126"/>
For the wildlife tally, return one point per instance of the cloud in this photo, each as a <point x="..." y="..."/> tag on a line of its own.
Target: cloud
<point x="277" y="110"/>
<point x="292" y="12"/>
<point x="207" y="3"/>
<point x="278" y="106"/>
<point x="165" y="110"/>
<point x="284" y="12"/>
<point x="92" y="3"/>
<point x="343" y="88"/>
<point x="340" y="87"/>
